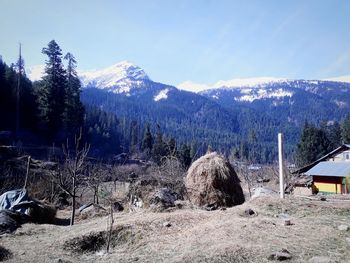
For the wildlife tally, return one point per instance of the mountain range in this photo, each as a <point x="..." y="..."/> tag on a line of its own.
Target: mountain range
<point x="228" y="116"/>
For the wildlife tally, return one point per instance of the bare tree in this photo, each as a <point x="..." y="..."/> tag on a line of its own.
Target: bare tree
<point x="94" y="178"/>
<point x="110" y="222"/>
<point x="244" y="172"/>
<point x="107" y="194"/>
<point x="73" y="170"/>
<point x="171" y="168"/>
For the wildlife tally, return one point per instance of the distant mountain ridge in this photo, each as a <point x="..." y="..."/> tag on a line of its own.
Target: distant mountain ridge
<point x="296" y="100"/>
<point x="225" y="116"/>
<point x="265" y="94"/>
<point x="124" y="77"/>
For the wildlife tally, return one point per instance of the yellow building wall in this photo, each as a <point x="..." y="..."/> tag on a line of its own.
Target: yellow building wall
<point x="328" y="188"/>
<point x="339" y="189"/>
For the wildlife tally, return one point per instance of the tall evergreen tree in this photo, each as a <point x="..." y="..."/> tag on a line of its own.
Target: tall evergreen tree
<point x="2" y="74"/>
<point x="27" y="105"/>
<point x="52" y="89"/>
<point x="185" y="155"/>
<point x="333" y="133"/>
<point x="313" y="144"/>
<point x="27" y="102"/>
<point x="101" y="132"/>
<point x="345" y="130"/>
<point x="74" y="109"/>
<point x="159" y="147"/>
<point x="243" y="150"/>
<point x="254" y="153"/>
<point x="147" y="141"/>
<point x="134" y="131"/>
<point x="10" y="104"/>
<point x="5" y="97"/>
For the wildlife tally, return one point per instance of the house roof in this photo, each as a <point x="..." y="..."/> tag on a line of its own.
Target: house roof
<point x="306" y="168"/>
<point x="336" y="169"/>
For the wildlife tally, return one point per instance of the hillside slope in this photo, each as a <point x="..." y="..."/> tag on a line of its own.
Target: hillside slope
<point x="195" y="235"/>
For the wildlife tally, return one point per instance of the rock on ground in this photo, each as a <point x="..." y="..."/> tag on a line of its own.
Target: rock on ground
<point x="164" y="197"/>
<point x="343" y="227"/>
<point x="280" y="255"/>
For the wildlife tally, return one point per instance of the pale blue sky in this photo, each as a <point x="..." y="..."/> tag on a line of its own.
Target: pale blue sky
<point x="174" y="41"/>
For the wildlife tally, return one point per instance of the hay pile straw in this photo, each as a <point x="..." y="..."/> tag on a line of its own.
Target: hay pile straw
<point x="211" y="180"/>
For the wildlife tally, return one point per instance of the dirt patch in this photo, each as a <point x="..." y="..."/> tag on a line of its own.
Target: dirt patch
<point x="92" y="212"/>
<point x="88" y="243"/>
<point x="5" y="254"/>
<point x="233" y="255"/>
<point x="97" y="241"/>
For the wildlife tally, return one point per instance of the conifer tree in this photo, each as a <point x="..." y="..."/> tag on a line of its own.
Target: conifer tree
<point x="313" y="144"/>
<point x="147" y="141"/>
<point x="134" y="136"/>
<point x="333" y="133"/>
<point x="52" y="89"/>
<point x="345" y="130"/>
<point x="10" y="97"/>
<point x="185" y="155"/>
<point x="2" y="74"/>
<point x="243" y="150"/>
<point x="159" y="147"/>
<point x="8" y="92"/>
<point x="5" y="97"/>
<point x="74" y="110"/>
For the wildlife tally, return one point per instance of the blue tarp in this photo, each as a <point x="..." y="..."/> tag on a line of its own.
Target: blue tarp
<point x="16" y="200"/>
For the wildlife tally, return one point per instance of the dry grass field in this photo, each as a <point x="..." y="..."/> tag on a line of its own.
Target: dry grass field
<point x="196" y="235"/>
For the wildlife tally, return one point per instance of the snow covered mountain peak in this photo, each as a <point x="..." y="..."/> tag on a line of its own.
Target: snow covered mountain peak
<point x="248" y="82"/>
<point x="118" y="78"/>
<point x="231" y="84"/>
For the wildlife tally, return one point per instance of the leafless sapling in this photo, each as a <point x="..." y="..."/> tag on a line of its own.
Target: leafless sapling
<point x="73" y="172"/>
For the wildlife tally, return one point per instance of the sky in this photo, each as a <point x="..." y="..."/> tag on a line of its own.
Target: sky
<point x="177" y="41"/>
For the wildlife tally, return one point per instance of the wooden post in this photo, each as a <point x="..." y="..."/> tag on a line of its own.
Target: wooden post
<point x="280" y="162"/>
<point x="27" y="173"/>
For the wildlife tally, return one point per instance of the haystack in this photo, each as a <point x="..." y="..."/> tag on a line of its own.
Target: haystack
<point x="212" y="181"/>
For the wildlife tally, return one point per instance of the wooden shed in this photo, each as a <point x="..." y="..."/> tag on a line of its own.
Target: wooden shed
<point x="331" y="173"/>
<point x="330" y="177"/>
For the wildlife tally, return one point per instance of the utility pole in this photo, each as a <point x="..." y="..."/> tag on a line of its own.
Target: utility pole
<point x="20" y="69"/>
<point x="280" y="161"/>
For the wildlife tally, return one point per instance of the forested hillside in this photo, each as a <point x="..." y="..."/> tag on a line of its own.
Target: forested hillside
<point x="49" y="112"/>
<point x="116" y="110"/>
<point x="232" y="121"/>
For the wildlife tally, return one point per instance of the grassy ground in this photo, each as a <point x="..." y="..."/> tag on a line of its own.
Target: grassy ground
<point x="196" y="235"/>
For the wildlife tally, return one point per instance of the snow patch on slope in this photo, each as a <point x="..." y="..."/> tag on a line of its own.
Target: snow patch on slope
<point x="162" y="95"/>
<point x="248" y="82"/>
<point x="233" y="83"/>
<point x="340" y="104"/>
<point x="265" y="94"/>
